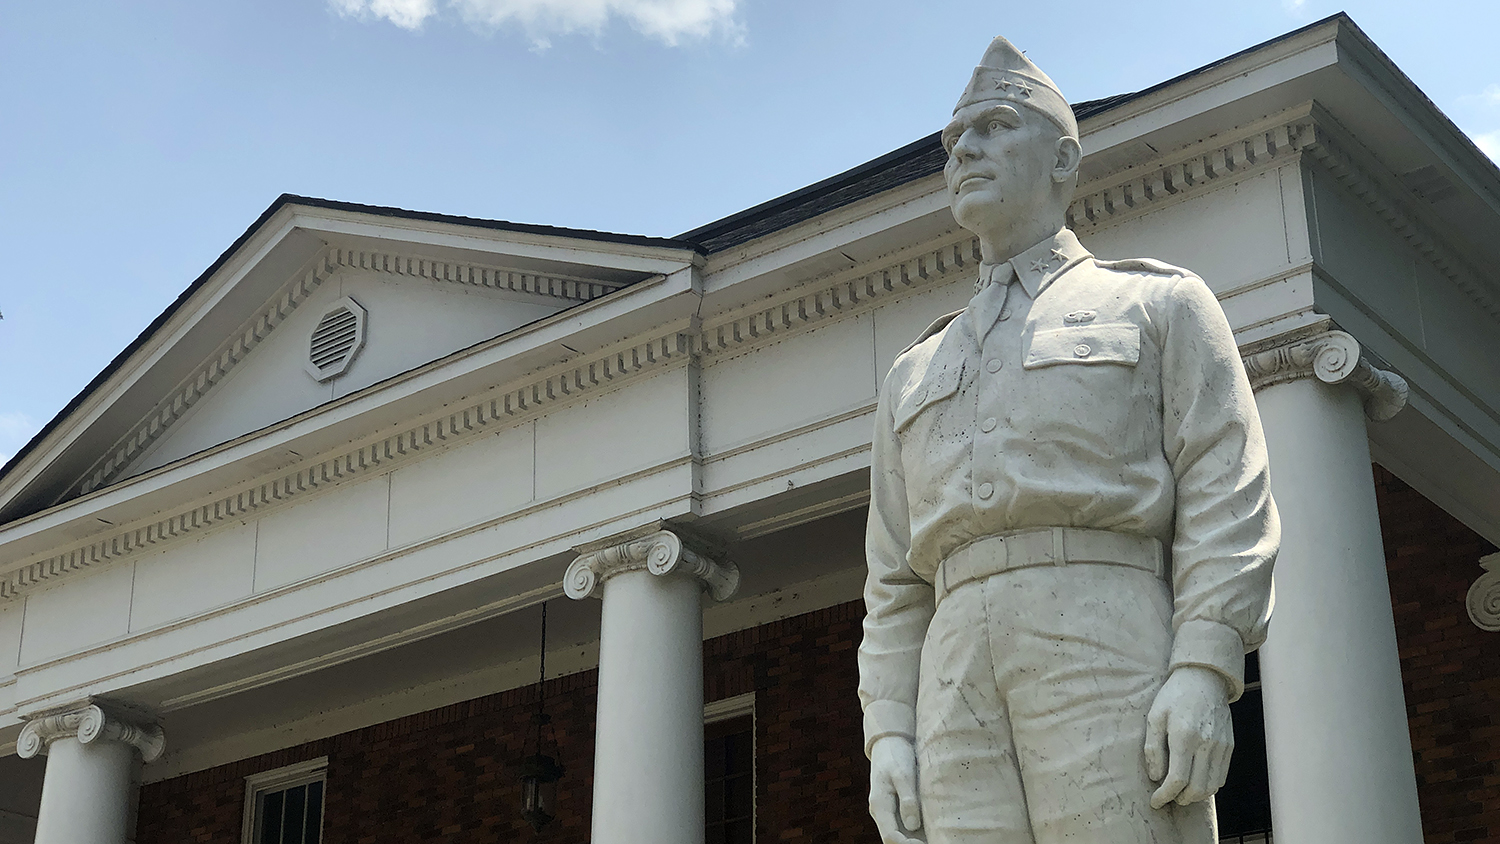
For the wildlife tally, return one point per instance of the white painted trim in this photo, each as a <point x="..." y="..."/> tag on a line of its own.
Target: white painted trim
<point x="729" y="707"/>
<point x="313" y="770"/>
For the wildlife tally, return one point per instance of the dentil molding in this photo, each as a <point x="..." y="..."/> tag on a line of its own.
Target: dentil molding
<point x="1484" y="596"/>
<point x="1331" y="356"/>
<point x="89" y="722"/>
<point x="661" y="552"/>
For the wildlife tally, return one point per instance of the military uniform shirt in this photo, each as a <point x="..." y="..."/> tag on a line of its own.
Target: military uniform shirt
<point x="1070" y="392"/>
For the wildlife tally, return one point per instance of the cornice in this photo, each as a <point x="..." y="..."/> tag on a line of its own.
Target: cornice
<point x="837" y="295"/>
<point x="1322" y="351"/>
<point x="90" y="721"/>
<point x="1193" y="170"/>
<point x="653" y="549"/>
<point x="197" y="384"/>
<point x="1483" y="600"/>
<point x="1360" y="171"/>
<point x="569" y="289"/>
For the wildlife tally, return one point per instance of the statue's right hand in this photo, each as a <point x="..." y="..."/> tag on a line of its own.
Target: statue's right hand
<point x="893" y="790"/>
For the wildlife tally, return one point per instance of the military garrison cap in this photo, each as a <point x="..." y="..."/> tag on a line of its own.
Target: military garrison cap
<point x="1006" y="74"/>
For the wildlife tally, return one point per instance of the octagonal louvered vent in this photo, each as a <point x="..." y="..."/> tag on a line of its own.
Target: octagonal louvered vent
<point x="336" y="340"/>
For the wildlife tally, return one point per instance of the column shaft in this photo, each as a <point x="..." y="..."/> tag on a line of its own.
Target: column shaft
<point x="86" y="793"/>
<point x="648" y="768"/>
<point x="1336" y="732"/>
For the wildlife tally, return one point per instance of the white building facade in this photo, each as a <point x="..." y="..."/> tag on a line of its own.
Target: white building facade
<point x="329" y="487"/>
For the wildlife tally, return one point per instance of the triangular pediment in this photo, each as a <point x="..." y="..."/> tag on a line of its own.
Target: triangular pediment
<point x="317" y="302"/>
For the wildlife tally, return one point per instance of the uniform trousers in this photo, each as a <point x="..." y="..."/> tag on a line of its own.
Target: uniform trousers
<point x="1031" y="711"/>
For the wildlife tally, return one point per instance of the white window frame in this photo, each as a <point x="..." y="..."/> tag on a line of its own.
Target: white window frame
<point x="291" y="776"/>
<point x="728" y="709"/>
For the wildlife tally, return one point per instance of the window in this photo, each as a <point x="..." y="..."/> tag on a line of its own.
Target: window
<point x="729" y="772"/>
<point x="285" y="806"/>
<point x="1244" y="803"/>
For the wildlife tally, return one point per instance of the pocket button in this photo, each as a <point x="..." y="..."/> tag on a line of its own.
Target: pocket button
<point x="1082" y="350"/>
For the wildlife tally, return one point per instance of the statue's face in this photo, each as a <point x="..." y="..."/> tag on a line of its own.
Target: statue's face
<point x="1000" y="165"/>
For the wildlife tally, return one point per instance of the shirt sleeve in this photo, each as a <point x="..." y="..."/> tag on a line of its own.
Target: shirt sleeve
<point x="1227" y="530"/>
<point x="898" y="603"/>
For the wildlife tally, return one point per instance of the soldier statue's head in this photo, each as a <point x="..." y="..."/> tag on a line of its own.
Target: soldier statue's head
<point x="1013" y="154"/>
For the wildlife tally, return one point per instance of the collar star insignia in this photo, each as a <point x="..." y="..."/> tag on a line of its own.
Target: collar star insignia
<point x="1044" y="265"/>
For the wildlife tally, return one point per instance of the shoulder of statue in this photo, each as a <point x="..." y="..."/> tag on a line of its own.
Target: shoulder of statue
<point x="937" y="327"/>
<point x="1144" y="266"/>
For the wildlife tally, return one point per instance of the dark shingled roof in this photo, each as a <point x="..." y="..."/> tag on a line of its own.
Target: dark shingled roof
<point x="909" y="163"/>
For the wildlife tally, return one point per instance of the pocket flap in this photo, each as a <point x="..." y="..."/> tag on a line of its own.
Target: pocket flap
<point x="937" y="384"/>
<point x="1110" y="343"/>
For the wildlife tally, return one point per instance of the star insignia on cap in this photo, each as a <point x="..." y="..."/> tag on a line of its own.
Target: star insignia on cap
<point x="1024" y="88"/>
<point x="1002" y="84"/>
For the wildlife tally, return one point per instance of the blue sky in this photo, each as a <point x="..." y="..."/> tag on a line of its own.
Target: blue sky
<point x="137" y="140"/>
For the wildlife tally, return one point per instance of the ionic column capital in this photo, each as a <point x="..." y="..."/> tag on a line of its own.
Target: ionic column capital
<point x="89" y="721"/>
<point x="657" y="550"/>
<point x="1483" y="600"/>
<point x="1333" y="357"/>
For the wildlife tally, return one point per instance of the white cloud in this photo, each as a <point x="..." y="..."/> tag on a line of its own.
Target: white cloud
<point x="407" y="14"/>
<point x="15" y="430"/>
<point x="1490" y="143"/>
<point x="1295" y="7"/>
<point x="669" y="21"/>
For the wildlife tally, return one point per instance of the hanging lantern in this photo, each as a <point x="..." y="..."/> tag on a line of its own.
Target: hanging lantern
<point x="540" y="769"/>
<point x="539" y="775"/>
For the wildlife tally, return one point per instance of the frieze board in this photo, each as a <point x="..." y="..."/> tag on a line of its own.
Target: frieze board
<point x="569" y="289"/>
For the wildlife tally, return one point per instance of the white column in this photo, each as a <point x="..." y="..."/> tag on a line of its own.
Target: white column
<point x="648" y="753"/>
<point x="1336" y="735"/>
<point x="92" y="752"/>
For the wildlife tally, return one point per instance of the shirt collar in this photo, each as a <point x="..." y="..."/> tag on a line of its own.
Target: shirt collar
<point x="1036" y="266"/>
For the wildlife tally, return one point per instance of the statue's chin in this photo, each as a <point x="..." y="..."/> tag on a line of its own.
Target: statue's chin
<point x="981" y="213"/>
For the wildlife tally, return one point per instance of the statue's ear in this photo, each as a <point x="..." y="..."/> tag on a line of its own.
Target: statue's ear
<point x="1069" y="155"/>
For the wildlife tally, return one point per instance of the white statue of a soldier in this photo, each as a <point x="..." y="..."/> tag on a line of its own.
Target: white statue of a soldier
<point x="1071" y="529"/>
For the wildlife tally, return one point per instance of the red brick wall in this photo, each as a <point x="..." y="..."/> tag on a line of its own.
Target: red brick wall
<point x="1451" y="669"/>
<point x="450" y="774"/>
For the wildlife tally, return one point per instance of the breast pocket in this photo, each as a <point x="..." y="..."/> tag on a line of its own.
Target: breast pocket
<point x="933" y="387"/>
<point x="1114" y="343"/>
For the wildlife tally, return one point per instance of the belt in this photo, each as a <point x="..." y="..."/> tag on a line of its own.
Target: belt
<point x="1055" y="546"/>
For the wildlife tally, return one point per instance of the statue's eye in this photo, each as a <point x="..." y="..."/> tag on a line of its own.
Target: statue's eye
<point x="996" y="127"/>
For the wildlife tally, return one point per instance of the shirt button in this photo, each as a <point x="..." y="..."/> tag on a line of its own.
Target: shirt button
<point x="994" y="365"/>
<point x="1082" y="350"/>
<point x="986" y="490"/>
<point x="987" y="425"/>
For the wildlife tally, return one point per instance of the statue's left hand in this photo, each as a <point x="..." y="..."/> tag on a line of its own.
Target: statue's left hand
<point x="1189" y="736"/>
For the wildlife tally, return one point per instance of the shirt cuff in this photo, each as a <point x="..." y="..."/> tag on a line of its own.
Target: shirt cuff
<point x="888" y="718"/>
<point x="1209" y="644"/>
